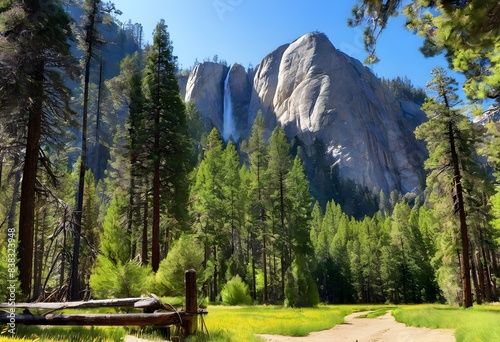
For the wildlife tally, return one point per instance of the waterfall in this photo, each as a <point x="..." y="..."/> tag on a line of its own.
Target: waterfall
<point x="228" y="128"/>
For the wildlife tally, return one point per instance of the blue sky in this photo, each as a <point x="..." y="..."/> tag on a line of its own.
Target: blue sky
<point x="245" y="31"/>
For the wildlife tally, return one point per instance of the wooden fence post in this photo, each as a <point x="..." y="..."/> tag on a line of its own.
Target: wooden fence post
<point x="191" y="302"/>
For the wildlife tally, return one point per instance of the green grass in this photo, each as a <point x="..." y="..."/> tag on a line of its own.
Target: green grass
<point x="377" y="312"/>
<point x="479" y="323"/>
<point x="69" y="334"/>
<point x="242" y="323"/>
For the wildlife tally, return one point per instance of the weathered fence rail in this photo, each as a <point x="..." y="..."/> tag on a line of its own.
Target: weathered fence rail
<point x="138" y="303"/>
<point x="187" y="318"/>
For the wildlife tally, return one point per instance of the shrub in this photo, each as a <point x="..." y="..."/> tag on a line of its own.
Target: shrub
<point x="300" y="288"/>
<point x="114" y="280"/>
<point x="187" y="253"/>
<point x="236" y="292"/>
<point x="115" y="275"/>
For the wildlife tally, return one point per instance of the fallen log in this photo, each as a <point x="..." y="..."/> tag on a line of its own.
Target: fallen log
<point x="138" y="303"/>
<point x="159" y="318"/>
<point x="187" y="318"/>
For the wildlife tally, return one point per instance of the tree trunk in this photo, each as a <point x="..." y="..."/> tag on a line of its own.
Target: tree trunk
<point x="11" y="216"/>
<point x="130" y="216"/>
<point x="263" y="222"/>
<point x="274" y="289"/>
<point x="75" y="290"/>
<point x="460" y="207"/>
<point x="494" y="270"/>
<point x="1" y="167"/>
<point x="41" y="224"/>
<point x="96" y="163"/>
<point x="27" y="208"/>
<point x="486" y="262"/>
<point x="475" y="281"/>
<point x="404" y="272"/>
<point x="282" y="218"/>
<point x="215" y="272"/>
<point x="254" y="277"/>
<point x="155" y="248"/>
<point x="481" y="278"/>
<point x="155" y="255"/>
<point x="89" y="39"/>
<point x="144" y="249"/>
<point x="37" y="257"/>
<point x="283" y="270"/>
<point x="62" y="276"/>
<point x="264" y="266"/>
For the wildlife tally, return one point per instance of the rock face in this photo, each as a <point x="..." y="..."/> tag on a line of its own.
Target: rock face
<point x="240" y="86"/>
<point x="205" y="85"/>
<point x="314" y="91"/>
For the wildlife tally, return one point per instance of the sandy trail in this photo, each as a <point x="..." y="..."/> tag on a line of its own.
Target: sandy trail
<point x="380" y="329"/>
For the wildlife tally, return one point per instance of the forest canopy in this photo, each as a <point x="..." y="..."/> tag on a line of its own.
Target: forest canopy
<point x="467" y="32"/>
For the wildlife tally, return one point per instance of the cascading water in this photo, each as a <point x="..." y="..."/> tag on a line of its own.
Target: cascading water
<point x="228" y="127"/>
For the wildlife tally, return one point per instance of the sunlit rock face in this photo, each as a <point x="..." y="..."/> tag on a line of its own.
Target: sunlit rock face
<point x="240" y="91"/>
<point x="205" y="85"/>
<point x="315" y="91"/>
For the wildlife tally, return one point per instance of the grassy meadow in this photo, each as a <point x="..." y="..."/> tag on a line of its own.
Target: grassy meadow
<point x="68" y="334"/>
<point x="242" y="323"/>
<point x="477" y="324"/>
<point x="231" y="324"/>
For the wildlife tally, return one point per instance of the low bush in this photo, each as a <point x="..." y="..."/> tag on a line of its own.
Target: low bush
<point x="236" y="292"/>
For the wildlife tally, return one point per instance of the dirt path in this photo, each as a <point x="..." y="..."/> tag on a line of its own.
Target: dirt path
<point x="380" y="329"/>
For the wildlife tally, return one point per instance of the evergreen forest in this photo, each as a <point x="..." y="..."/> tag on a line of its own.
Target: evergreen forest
<point x="111" y="186"/>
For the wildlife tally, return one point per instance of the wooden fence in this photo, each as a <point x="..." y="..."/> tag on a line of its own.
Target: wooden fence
<point x="154" y="312"/>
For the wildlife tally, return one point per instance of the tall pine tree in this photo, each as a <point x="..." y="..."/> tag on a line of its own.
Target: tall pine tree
<point x="34" y="51"/>
<point x="446" y="137"/>
<point x="169" y="145"/>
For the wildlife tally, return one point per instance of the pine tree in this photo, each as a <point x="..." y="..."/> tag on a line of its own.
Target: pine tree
<point x="277" y="170"/>
<point x="298" y="200"/>
<point x="468" y="31"/>
<point x="231" y="190"/>
<point x="115" y="275"/>
<point x="298" y="216"/>
<point x="126" y="90"/>
<point x="187" y="253"/>
<point x="399" y="231"/>
<point x="91" y="227"/>
<point x="169" y="144"/>
<point x="446" y="134"/>
<point x="94" y="12"/>
<point x="34" y="51"/>
<point x="258" y="155"/>
<point x="209" y="205"/>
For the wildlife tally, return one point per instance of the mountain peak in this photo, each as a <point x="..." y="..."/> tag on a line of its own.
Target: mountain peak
<point x="317" y="93"/>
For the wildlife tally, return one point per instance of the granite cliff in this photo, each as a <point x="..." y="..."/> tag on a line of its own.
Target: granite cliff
<point x="315" y="91"/>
